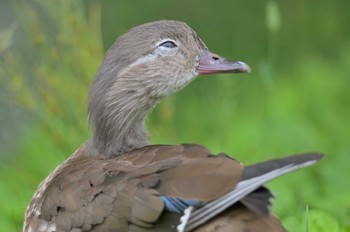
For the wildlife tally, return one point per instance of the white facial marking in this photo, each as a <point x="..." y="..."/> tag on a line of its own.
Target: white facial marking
<point x="165" y="51"/>
<point x="149" y="58"/>
<point x="165" y="40"/>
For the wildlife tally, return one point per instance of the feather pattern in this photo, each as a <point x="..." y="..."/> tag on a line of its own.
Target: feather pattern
<point x="178" y="205"/>
<point x="263" y="172"/>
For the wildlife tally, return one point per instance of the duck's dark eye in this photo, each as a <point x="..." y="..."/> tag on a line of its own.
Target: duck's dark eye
<point x="168" y="44"/>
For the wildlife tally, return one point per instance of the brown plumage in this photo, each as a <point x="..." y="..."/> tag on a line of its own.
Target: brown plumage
<point x="116" y="181"/>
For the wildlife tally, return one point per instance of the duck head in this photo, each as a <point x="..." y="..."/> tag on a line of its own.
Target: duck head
<point x="148" y="63"/>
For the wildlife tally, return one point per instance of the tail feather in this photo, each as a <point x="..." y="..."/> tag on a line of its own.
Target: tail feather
<point x="253" y="177"/>
<point x="258" y="201"/>
<point x="267" y="166"/>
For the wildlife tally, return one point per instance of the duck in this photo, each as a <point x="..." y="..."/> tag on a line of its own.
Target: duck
<point x="118" y="181"/>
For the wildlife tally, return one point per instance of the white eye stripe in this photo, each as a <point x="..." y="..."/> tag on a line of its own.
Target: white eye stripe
<point x="166" y="40"/>
<point x="149" y="58"/>
<point x="160" y="50"/>
<point x="168" y="44"/>
<point x="166" y="47"/>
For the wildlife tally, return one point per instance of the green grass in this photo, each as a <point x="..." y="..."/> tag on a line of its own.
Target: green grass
<point x="274" y="111"/>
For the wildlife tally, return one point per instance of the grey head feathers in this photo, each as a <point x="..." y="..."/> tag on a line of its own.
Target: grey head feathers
<point x="144" y="65"/>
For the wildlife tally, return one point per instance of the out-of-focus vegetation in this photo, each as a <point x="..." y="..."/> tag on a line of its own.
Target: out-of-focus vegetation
<point x="295" y="100"/>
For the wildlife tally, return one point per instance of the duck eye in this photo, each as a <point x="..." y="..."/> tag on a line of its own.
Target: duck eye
<point x="168" y="44"/>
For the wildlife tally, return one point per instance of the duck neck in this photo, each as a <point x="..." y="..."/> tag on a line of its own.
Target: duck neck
<point x="118" y="120"/>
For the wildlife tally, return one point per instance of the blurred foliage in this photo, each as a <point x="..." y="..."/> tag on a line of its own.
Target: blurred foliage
<point x="295" y="100"/>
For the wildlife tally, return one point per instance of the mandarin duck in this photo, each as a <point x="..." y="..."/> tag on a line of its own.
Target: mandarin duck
<point x="116" y="181"/>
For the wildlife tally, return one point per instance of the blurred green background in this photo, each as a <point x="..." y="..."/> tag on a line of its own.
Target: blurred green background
<point x="296" y="99"/>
